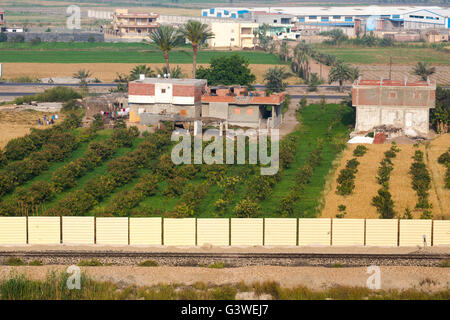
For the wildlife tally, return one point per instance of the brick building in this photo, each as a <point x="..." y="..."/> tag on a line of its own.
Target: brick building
<point x="185" y="100"/>
<point x="398" y="104"/>
<point x="240" y="107"/>
<point x="155" y="99"/>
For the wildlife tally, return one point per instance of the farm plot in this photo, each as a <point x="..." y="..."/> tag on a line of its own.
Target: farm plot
<point x="358" y="203"/>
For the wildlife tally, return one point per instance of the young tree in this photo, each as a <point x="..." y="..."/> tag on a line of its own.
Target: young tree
<point x="274" y="79"/>
<point x="313" y="82"/>
<point x="423" y="70"/>
<point x="166" y="38"/>
<point x="141" y="69"/>
<point x="337" y="36"/>
<point x="175" y="73"/>
<point x="340" y="73"/>
<point x="197" y="33"/>
<point x="284" y="51"/>
<point x="82" y="75"/>
<point x="227" y="70"/>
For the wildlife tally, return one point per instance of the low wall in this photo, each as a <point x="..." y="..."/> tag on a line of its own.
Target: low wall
<point x="223" y="231"/>
<point x="61" y="36"/>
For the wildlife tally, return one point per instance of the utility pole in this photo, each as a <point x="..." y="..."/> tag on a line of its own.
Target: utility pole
<point x="390" y="68"/>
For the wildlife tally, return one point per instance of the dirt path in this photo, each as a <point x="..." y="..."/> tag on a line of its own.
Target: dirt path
<point x="289" y="119"/>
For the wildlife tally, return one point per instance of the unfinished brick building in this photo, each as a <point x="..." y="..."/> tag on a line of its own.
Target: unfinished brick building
<point x="157" y="99"/>
<point x="398" y="104"/>
<point x="152" y="100"/>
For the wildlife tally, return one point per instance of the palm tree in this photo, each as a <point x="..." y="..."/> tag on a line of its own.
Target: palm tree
<point x="141" y="69"/>
<point x="274" y="79"/>
<point x="354" y="74"/>
<point x="82" y="75"/>
<point x="175" y="73"/>
<point x="284" y="51"/>
<point x="166" y="38"/>
<point x="197" y="33"/>
<point x="340" y="73"/>
<point x="423" y="70"/>
<point x="301" y="60"/>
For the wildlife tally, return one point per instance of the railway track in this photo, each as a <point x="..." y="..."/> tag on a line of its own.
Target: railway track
<point x="230" y="259"/>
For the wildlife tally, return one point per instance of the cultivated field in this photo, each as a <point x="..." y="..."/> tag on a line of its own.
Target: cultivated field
<point x="107" y="72"/>
<point x="359" y="202"/>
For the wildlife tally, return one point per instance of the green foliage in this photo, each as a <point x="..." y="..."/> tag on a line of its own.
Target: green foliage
<point x="444" y="159"/>
<point x="384" y="204"/>
<point x="346" y="178"/>
<point x="89" y="263"/>
<point x="360" y="150"/>
<point x="440" y="115"/>
<point x="229" y="70"/>
<point x="56" y="94"/>
<point x="274" y="79"/>
<point x="247" y="208"/>
<point x="148" y="263"/>
<point x="421" y="180"/>
<point x="423" y="70"/>
<point x="12" y="261"/>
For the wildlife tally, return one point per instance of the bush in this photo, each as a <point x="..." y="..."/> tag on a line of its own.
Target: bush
<point x="247" y="208"/>
<point x="360" y="150"/>
<point x="77" y="203"/>
<point x="89" y="263"/>
<point x="384" y="204"/>
<point x="12" y="261"/>
<point x="148" y="263"/>
<point x="421" y="180"/>
<point x="56" y="94"/>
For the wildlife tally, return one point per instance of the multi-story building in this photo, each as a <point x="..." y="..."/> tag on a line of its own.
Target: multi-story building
<point x="233" y="34"/>
<point x="399" y="104"/>
<point x="133" y="24"/>
<point x="156" y="99"/>
<point x="152" y="100"/>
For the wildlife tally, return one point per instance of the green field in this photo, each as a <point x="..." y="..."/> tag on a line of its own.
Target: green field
<point x="329" y="123"/>
<point x="381" y="55"/>
<point x="115" y="53"/>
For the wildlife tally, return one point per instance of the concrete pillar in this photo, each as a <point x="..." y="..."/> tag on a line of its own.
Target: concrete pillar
<point x="221" y="129"/>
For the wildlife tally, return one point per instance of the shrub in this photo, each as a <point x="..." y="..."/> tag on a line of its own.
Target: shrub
<point x="35" y="263"/>
<point x="148" y="263"/>
<point x="360" y="150"/>
<point x="77" y="203"/>
<point x="56" y="94"/>
<point x="122" y="169"/>
<point x="13" y="261"/>
<point x="384" y="204"/>
<point x="346" y="178"/>
<point x="247" y="208"/>
<point x="89" y="263"/>
<point x="421" y="180"/>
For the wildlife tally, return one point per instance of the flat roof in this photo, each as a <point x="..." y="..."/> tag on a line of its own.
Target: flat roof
<point x="353" y="11"/>
<point x="172" y="81"/>
<point x="393" y="83"/>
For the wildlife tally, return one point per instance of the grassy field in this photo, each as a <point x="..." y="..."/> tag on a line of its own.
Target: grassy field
<point x="116" y="53"/>
<point x="380" y="55"/>
<point x="53" y="287"/>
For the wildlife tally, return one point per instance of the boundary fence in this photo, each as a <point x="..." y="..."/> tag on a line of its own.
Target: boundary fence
<point x="223" y="231"/>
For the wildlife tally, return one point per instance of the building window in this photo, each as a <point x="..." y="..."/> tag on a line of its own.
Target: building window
<point x="392" y="95"/>
<point x="395" y="16"/>
<point x="225" y="12"/>
<point x="348" y="19"/>
<point x="237" y="111"/>
<point x="324" y="19"/>
<point x="163" y="90"/>
<point x="312" y="17"/>
<point x="204" y="13"/>
<point x="219" y="14"/>
<point x="275" y="21"/>
<point x="301" y="19"/>
<point x="233" y="15"/>
<point x="337" y="17"/>
<point x="183" y="113"/>
<point x="211" y="11"/>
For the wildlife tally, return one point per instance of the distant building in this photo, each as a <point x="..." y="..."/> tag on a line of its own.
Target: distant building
<point x="2" y="17"/>
<point x="233" y="34"/>
<point x="397" y="104"/>
<point x="133" y="24"/>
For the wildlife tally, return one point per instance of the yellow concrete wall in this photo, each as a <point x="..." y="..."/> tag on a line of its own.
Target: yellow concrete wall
<point x="112" y="231"/>
<point x="246" y="232"/>
<point x="44" y="230"/>
<point x="179" y="232"/>
<point x="145" y="231"/>
<point x="347" y="232"/>
<point x="314" y="231"/>
<point x="381" y="232"/>
<point x="441" y="232"/>
<point x="213" y="231"/>
<point x="412" y="231"/>
<point x="13" y="230"/>
<point x="280" y="232"/>
<point x="78" y="230"/>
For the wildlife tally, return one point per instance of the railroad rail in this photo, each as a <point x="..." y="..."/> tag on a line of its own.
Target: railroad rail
<point x="230" y="259"/>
